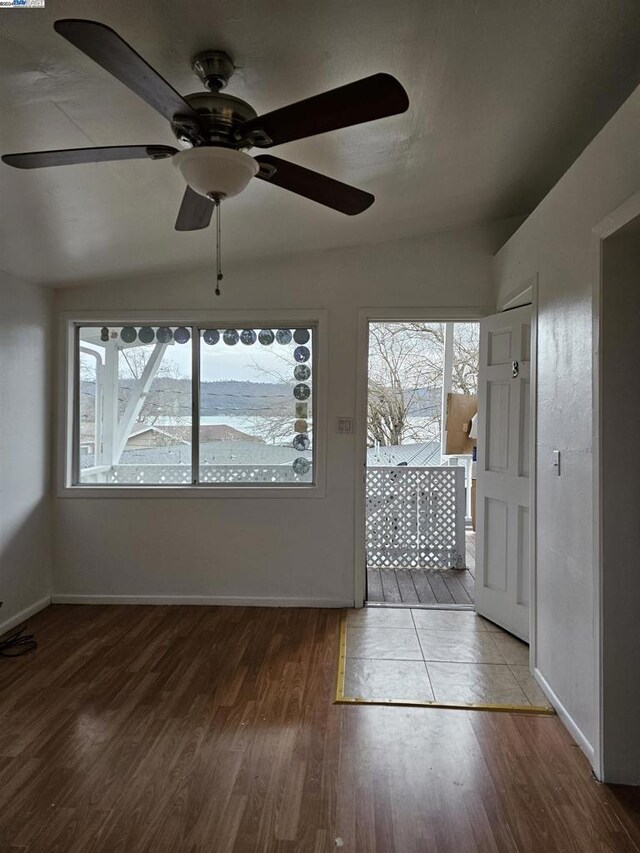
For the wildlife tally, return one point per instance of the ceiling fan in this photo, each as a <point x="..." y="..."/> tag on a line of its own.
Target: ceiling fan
<point x="215" y="129"/>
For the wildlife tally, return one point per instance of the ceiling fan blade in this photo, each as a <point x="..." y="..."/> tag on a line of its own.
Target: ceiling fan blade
<point x="104" y="46"/>
<point x="313" y="185"/>
<point x="365" y="100"/>
<point x="195" y="211"/>
<point x="70" y="156"/>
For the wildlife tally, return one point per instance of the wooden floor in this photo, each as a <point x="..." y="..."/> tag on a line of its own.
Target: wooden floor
<point x="425" y="586"/>
<point x="180" y="730"/>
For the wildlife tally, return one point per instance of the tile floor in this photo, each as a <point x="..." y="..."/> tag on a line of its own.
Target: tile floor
<point x="436" y="655"/>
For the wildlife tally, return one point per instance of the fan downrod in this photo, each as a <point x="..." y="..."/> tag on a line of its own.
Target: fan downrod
<point x="213" y="68"/>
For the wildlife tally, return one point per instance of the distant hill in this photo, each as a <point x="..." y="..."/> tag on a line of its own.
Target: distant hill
<point x="172" y="397"/>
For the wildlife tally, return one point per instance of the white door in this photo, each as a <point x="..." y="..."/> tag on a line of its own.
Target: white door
<point x="502" y="485"/>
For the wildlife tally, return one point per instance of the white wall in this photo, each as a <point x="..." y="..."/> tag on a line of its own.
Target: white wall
<point x="558" y="244"/>
<point x="25" y="359"/>
<point x="262" y="549"/>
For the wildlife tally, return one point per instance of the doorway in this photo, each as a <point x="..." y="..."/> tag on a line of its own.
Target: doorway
<point x="434" y="652"/>
<point x="422" y="379"/>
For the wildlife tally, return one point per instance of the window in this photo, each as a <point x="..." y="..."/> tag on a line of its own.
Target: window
<point x="170" y="405"/>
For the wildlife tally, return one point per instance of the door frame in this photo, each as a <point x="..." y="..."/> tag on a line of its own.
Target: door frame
<point x="365" y="317"/>
<point x="607" y="227"/>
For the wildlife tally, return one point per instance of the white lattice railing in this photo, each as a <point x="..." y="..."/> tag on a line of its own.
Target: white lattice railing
<point x="147" y="475"/>
<point x="180" y="475"/>
<point x="415" y="518"/>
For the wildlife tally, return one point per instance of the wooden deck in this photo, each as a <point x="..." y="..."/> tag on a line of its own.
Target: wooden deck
<point x="425" y="586"/>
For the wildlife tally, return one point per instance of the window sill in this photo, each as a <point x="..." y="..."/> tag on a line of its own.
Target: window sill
<point x="204" y="491"/>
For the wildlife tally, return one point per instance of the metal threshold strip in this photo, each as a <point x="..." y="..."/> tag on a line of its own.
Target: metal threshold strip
<point x="399" y="605"/>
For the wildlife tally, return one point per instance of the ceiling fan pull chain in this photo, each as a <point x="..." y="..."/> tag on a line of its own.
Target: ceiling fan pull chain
<point x="218" y="248"/>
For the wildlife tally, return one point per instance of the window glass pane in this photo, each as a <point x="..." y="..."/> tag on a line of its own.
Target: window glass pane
<point x="135" y="405"/>
<point x="256" y="406"/>
<point x="90" y="366"/>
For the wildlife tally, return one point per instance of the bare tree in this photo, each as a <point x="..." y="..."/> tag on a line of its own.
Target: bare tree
<point x="169" y="395"/>
<point x="274" y="421"/>
<point x="405" y="360"/>
<point x="170" y="392"/>
<point x="466" y="342"/>
<point x="405" y="378"/>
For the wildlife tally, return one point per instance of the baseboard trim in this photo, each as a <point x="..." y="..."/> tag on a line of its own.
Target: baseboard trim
<point x="34" y="608"/>
<point x="574" y="729"/>
<point x="206" y="600"/>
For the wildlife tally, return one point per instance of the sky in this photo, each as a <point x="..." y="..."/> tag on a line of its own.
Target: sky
<point x="237" y="362"/>
<point x="221" y="361"/>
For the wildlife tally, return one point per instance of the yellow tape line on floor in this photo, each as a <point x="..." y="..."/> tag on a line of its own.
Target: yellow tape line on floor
<point x="341" y="699"/>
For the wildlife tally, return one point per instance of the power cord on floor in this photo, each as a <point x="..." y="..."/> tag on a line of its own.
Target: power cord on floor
<point x="18" y="643"/>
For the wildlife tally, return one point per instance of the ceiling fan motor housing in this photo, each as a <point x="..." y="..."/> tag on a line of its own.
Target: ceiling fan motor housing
<point x="214" y="171"/>
<point x="220" y="117"/>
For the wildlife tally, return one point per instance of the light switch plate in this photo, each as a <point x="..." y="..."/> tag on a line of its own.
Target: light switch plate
<point x="344" y="426"/>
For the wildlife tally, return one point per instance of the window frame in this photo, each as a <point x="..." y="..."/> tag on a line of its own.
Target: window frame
<point x="68" y="416"/>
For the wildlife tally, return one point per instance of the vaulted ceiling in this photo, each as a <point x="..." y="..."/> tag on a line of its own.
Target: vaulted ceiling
<point x="504" y="95"/>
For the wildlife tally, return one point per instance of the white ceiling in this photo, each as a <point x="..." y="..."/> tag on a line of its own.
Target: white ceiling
<point x="504" y="95"/>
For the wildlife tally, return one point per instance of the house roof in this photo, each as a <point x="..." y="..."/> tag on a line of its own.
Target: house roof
<point x="181" y="434"/>
<point x="158" y="431"/>
<point x="503" y="97"/>
<point x="415" y="455"/>
<point x="214" y="453"/>
<point x="216" y="432"/>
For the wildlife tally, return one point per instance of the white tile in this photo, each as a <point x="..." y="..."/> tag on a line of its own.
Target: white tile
<point x="392" y="680"/>
<point x="475" y="684"/>
<point x="530" y="686"/>
<point x="461" y="646"/>
<point x="385" y="617"/>
<point x="448" y="620"/>
<point x="513" y="650"/>
<point x="383" y="643"/>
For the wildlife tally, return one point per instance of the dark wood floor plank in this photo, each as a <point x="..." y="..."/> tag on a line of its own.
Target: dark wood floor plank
<point x="374" y="585"/>
<point x="406" y="586"/>
<point x="470" y="540"/>
<point x="452" y="579"/>
<point x="390" y="587"/>
<point x="213" y="730"/>
<point x="423" y="587"/>
<point x="468" y="582"/>
<point x="439" y="587"/>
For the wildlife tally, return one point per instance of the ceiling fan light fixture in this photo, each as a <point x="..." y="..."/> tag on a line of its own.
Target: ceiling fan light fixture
<point x="215" y="172"/>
